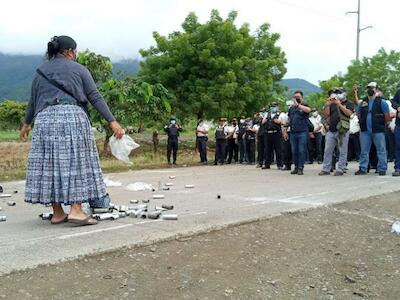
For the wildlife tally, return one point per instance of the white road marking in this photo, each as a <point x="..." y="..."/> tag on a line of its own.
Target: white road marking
<point x="67" y="236"/>
<point x="362" y="215"/>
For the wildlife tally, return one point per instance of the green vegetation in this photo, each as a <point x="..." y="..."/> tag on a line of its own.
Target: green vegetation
<point x="383" y="68"/>
<point x="216" y="68"/>
<point x="12" y="114"/>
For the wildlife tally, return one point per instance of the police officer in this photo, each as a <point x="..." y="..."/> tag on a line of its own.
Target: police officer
<point x="261" y="140"/>
<point x="273" y="136"/>
<point x="232" y="146"/>
<point x="220" y="142"/>
<point x="172" y="130"/>
<point x="251" y="132"/>
<point x="241" y="141"/>
<point x="202" y="138"/>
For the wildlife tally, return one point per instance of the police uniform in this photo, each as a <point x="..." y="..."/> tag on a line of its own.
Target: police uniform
<point x="172" y="131"/>
<point x="251" y="132"/>
<point x="273" y="139"/>
<point x="232" y="146"/>
<point x="242" y="140"/>
<point x="261" y="144"/>
<point x="202" y="139"/>
<point x="220" y="143"/>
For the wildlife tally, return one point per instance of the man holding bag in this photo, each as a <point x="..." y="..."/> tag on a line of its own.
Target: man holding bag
<point x="337" y="111"/>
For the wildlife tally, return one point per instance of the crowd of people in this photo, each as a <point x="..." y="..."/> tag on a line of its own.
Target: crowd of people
<point x="366" y="130"/>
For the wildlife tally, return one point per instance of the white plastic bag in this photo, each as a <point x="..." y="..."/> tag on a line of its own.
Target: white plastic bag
<point x="396" y="227"/>
<point x="122" y="148"/>
<point x="139" y="186"/>
<point x="110" y="182"/>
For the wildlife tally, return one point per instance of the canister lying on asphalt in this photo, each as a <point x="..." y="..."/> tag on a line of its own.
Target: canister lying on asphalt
<point x="3" y="218"/>
<point x="169" y="217"/>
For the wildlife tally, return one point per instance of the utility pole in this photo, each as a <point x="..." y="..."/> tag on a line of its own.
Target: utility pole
<point x="358" y="29"/>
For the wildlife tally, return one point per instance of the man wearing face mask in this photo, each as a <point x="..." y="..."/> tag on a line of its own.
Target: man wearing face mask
<point x="273" y="136"/>
<point x="396" y="106"/>
<point x="373" y="115"/>
<point x="287" y="148"/>
<point x="298" y="115"/>
<point x="315" y="140"/>
<point x="251" y="132"/>
<point x="202" y="138"/>
<point x="220" y="142"/>
<point x="232" y="147"/>
<point x="337" y="111"/>
<point x="172" y="130"/>
<point x="241" y="140"/>
<point x="261" y="140"/>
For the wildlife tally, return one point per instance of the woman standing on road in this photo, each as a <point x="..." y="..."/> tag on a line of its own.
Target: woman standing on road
<point x="63" y="164"/>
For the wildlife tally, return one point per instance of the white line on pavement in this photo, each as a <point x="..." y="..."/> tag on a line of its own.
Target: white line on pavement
<point x="67" y="236"/>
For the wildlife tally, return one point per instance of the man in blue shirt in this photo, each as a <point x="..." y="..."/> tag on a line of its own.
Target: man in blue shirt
<point x="373" y="114"/>
<point x="298" y="115"/>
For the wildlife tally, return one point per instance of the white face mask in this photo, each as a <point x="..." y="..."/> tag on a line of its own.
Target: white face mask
<point x="341" y="96"/>
<point x="173" y="122"/>
<point x="241" y="121"/>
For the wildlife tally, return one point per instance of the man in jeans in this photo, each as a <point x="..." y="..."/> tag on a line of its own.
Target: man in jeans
<point x="396" y="106"/>
<point x="298" y="115"/>
<point x="337" y="107"/>
<point x="373" y="115"/>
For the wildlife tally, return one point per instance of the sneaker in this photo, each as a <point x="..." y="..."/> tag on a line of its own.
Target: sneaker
<point x="360" y="172"/>
<point x="258" y="166"/>
<point x="338" y="173"/>
<point x="322" y="173"/>
<point x="300" y="172"/>
<point x="396" y="173"/>
<point x="287" y="168"/>
<point x="382" y="173"/>
<point x="266" y="167"/>
<point x="295" y="171"/>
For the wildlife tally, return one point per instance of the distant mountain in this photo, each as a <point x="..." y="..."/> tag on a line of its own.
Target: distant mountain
<point x="16" y="72"/>
<point x="294" y="84"/>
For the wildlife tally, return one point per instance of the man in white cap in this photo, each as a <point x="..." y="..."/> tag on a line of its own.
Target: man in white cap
<point x="373" y="115"/>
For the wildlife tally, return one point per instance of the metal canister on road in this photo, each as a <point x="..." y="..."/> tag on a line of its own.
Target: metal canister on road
<point x="11" y="203"/>
<point x="168" y="207"/>
<point x="153" y="215"/>
<point x="170" y="217"/>
<point x="3" y="218"/>
<point x="46" y="216"/>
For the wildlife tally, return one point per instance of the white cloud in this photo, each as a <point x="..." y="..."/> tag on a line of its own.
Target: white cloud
<point x="317" y="36"/>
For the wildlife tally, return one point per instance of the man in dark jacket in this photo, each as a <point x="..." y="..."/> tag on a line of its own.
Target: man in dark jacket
<point x="172" y="130"/>
<point x="396" y="106"/>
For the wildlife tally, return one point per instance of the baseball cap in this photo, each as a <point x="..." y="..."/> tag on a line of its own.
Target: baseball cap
<point x="372" y="84"/>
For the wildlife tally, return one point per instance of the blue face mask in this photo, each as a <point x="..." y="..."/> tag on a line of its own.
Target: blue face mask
<point x="273" y="110"/>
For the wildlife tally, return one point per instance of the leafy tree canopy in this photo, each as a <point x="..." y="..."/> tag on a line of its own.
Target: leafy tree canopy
<point x="216" y="68"/>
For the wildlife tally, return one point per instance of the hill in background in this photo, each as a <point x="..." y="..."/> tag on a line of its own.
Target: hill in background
<point x="16" y="72"/>
<point x="294" y="84"/>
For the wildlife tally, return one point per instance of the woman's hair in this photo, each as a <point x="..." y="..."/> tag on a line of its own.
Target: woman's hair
<point x="58" y="44"/>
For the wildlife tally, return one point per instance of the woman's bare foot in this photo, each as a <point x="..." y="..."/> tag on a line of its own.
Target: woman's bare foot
<point x="77" y="216"/>
<point x="59" y="216"/>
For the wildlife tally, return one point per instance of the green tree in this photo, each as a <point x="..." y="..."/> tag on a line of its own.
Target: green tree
<point x="383" y="68"/>
<point x="131" y="100"/>
<point x="216" y="68"/>
<point x="99" y="66"/>
<point x="12" y="114"/>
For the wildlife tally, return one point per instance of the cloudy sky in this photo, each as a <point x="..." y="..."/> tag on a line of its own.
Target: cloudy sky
<point x="317" y="36"/>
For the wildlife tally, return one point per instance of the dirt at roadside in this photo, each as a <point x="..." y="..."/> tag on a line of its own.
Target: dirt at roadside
<point x="341" y="252"/>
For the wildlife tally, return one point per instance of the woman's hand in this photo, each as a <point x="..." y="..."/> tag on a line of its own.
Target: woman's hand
<point x="23" y="134"/>
<point x="117" y="129"/>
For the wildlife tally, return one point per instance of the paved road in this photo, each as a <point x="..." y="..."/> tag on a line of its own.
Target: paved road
<point x="246" y="193"/>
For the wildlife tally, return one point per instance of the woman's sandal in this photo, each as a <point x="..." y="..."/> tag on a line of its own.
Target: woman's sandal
<point x="83" y="222"/>
<point x="65" y="219"/>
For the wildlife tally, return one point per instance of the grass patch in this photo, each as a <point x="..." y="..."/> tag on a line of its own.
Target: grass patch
<point x="9" y="135"/>
<point x="14" y="156"/>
